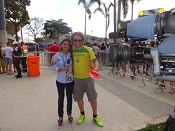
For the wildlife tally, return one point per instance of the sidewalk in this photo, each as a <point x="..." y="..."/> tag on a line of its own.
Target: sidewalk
<point x="30" y="104"/>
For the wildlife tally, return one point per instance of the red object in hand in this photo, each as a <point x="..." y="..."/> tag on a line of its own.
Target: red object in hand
<point x="94" y="74"/>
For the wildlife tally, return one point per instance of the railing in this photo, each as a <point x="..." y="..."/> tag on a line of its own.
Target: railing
<point x="45" y="58"/>
<point x="103" y="59"/>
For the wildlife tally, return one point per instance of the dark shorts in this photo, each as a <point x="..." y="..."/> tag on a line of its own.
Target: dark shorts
<point x="84" y="85"/>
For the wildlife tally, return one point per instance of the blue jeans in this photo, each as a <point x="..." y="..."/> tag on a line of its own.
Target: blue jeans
<point x="69" y="90"/>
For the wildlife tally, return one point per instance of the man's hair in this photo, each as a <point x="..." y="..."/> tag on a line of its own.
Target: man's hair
<point x="8" y="43"/>
<point x="79" y="34"/>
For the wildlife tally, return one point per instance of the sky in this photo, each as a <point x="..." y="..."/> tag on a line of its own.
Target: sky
<point x="73" y="14"/>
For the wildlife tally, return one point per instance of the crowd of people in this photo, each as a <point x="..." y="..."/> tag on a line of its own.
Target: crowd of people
<point x="135" y="68"/>
<point x="12" y="56"/>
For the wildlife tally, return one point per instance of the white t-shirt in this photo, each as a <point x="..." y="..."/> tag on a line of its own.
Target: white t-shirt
<point x="8" y="52"/>
<point x="95" y="49"/>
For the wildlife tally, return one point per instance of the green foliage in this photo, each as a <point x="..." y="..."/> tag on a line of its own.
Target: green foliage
<point x="16" y="12"/>
<point x="154" y="127"/>
<point x="93" y="38"/>
<point x="37" y="40"/>
<point x="53" y="28"/>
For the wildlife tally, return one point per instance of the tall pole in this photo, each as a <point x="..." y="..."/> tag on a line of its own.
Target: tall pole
<point x="3" y="32"/>
<point x="132" y="4"/>
<point x="115" y="19"/>
<point x="119" y="13"/>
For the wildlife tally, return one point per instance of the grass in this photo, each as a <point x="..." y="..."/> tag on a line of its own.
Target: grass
<point x="154" y="127"/>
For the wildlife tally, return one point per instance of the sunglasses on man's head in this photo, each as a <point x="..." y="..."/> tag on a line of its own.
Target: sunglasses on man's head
<point x="76" y="40"/>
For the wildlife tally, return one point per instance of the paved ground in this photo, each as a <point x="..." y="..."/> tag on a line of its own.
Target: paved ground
<point x="30" y="104"/>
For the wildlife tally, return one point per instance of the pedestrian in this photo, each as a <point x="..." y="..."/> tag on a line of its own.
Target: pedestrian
<point x="7" y="51"/>
<point x="24" y="55"/>
<point x="83" y="58"/>
<point x="95" y="49"/>
<point x="63" y="67"/>
<point x="17" y="52"/>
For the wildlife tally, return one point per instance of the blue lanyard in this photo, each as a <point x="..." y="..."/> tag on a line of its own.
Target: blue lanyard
<point x="64" y="62"/>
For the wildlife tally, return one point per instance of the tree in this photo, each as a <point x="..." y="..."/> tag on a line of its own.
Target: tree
<point x="53" y="28"/>
<point x="126" y="7"/>
<point x="86" y="6"/>
<point x="35" y="27"/>
<point x="106" y="14"/>
<point x="16" y="13"/>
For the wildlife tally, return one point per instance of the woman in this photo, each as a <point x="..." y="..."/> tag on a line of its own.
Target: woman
<point x="63" y="65"/>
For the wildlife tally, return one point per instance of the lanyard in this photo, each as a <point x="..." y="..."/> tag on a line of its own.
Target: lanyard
<point x="64" y="60"/>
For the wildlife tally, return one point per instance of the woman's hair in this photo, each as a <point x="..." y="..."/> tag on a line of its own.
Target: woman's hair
<point x="79" y="34"/>
<point x="71" y="48"/>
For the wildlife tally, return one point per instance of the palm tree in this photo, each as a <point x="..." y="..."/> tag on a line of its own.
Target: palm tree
<point x="86" y="6"/>
<point x="106" y="14"/>
<point x="126" y="7"/>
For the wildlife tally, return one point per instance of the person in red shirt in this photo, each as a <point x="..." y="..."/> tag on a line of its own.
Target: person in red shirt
<point x="54" y="48"/>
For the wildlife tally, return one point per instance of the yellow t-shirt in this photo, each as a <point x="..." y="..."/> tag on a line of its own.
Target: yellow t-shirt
<point x="82" y="59"/>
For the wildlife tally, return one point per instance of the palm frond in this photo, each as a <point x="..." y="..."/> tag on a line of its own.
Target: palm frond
<point x="125" y="7"/>
<point x="100" y="10"/>
<point x="91" y="2"/>
<point x="83" y="2"/>
<point x="111" y="5"/>
<point x="88" y="11"/>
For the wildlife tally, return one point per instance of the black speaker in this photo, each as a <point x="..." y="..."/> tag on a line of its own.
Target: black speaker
<point x="114" y="52"/>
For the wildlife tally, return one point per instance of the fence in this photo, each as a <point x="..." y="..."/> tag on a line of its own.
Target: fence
<point x="103" y="59"/>
<point x="45" y="58"/>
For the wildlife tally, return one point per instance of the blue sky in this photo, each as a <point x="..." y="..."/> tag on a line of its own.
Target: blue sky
<point x="73" y="14"/>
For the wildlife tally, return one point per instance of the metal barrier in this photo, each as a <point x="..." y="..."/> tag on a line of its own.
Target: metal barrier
<point x="103" y="59"/>
<point x="45" y="58"/>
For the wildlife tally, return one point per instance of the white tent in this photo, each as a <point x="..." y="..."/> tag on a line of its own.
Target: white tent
<point x="25" y="40"/>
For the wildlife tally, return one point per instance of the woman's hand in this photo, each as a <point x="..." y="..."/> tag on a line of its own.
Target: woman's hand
<point x="66" y="68"/>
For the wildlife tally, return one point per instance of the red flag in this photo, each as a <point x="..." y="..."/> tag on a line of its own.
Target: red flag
<point x="94" y="74"/>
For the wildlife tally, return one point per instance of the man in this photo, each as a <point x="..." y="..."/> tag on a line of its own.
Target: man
<point x="95" y="49"/>
<point x="17" y="56"/>
<point x="83" y="58"/>
<point x="54" y="48"/>
<point x="7" y="51"/>
<point x="24" y="56"/>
